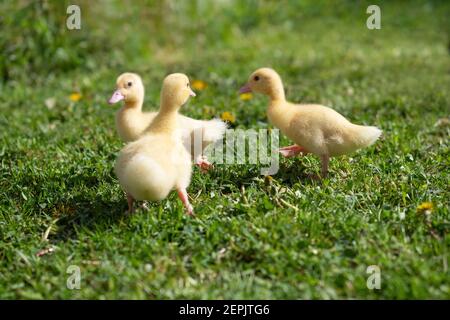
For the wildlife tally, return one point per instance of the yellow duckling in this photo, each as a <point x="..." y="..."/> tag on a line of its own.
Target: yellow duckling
<point x="131" y="122"/>
<point x="314" y="128"/>
<point x="150" y="167"/>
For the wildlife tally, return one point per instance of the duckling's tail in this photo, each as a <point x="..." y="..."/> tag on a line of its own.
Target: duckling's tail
<point x="365" y="136"/>
<point x="144" y="179"/>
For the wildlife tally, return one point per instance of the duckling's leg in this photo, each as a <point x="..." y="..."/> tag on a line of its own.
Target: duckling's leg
<point x="130" y="201"/>
<point x="182" y="194"/>
<point x="291" y="151"/>
<point x="203" y="163"/>
<point x="325" y="160"/>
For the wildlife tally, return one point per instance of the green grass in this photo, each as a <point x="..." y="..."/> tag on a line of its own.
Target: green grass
<point x="56" y="164"/>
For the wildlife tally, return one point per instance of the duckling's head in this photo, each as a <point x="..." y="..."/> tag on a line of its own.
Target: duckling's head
<point x="176" y="90"/>
<point x="129" y="88"/>
<point x="265" y="81"/>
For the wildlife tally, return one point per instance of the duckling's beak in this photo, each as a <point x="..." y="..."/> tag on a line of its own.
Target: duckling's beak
<point x="192" y="93"/>
<point x="116" y="97"/>
<point x="245" y="89"/>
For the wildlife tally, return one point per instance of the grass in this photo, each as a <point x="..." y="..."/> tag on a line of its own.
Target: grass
<point x="58" y="189"/>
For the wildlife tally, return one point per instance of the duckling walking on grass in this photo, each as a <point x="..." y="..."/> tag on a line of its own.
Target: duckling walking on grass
<point x="314" y="128"/>
<point x="131" y="122"/>
<point x="150" y="167"/>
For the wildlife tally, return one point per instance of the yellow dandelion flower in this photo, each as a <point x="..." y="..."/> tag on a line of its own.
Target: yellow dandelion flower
<point x="425" y="207"/>
<point x="245" y="96"/>
<point x="198" y="85"/>
<point x="228" y="116"/>
<point x="76" y="96"/>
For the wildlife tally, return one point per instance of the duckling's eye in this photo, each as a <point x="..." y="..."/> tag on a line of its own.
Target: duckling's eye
<point x="187" y="85"/>
<point x="129" y="84"/>
<point x="256" y="78"/>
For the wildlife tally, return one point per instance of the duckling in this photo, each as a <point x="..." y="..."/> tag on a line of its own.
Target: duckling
<point x="314" y="128"/>
<point x="156" y="163"/>
<point x="131" y="122"/>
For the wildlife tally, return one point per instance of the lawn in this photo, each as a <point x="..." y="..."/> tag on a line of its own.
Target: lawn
<point x="253" y="237"/>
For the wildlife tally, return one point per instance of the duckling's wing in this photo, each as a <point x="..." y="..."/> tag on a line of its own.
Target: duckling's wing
<point x="315" y="127"/>
<point x="213" y="130"/>
<point x="198" y="134"/>
<point x="332" y="133"/>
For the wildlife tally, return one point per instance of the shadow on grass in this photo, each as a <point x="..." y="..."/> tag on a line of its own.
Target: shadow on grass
<point x="289" y="174"/>
<point x="294" y="172"/>
<point x="89" y="213"/>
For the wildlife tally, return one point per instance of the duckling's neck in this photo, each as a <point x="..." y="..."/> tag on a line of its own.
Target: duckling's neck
<point x="277" y="96"/>
<point x="165" y="121"/>
<point x="276" y="92"/>
<point x="133" y="105"/>
<point x="277" y="112"/>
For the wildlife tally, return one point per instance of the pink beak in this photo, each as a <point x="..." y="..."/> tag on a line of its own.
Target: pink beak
<point x="116" y="97"/>
<point x="192" y="93"/>
<point x="245" y="89"/>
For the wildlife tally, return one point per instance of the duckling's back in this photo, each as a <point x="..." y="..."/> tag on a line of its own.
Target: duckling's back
<point x="322" y="130"/>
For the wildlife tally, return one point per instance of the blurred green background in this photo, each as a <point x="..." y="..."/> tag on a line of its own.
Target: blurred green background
<point x="58" y="191"/>
<point x="167" y="34"/>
